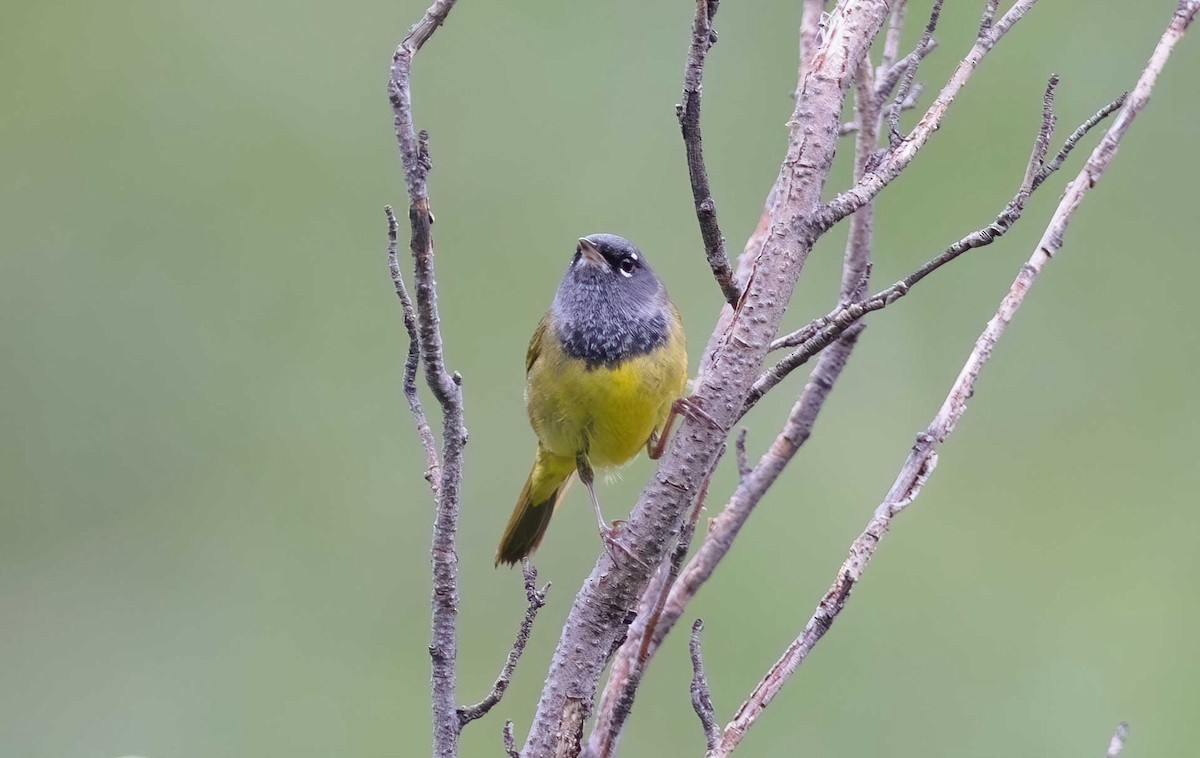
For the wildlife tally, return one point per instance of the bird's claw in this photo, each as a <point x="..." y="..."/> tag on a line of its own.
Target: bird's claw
<point x="609" y="535"/>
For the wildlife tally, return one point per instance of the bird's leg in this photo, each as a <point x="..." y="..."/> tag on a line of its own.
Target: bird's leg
<point x="608" y="534"/>
<point x="687" y="406"/>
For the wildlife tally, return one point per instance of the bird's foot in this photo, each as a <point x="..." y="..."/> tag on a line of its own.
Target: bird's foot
<point x="610" y="536"/>
<point x="690" y="406"/>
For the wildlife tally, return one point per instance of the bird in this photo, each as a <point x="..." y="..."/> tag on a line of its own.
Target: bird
<point x="605" y="375"/>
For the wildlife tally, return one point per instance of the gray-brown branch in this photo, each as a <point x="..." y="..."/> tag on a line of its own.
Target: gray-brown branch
<point x="922" y="459"/>
<point x="600" y="613"/>
<point x="414" y="159"/>
<point x="536" y="599"/>
<point x="701" y="696"/>
<point x="412" y="362"/>
<point x="688" y="111"/>
<point x="816" y="335"/>
<point x="510" y="743"/>
<point x="629" y="663"/>
<point x="900" y="154"/>
<point x="909" y="74"/>
<point x="753" y="487"/>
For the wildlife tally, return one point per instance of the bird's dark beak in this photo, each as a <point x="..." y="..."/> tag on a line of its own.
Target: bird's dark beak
<point x="591" y="253"/>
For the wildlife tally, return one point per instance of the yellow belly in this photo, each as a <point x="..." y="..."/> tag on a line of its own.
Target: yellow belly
<point x="609" y="413"/>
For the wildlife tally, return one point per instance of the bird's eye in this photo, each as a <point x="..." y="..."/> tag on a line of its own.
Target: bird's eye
<point x="627" y="265"/>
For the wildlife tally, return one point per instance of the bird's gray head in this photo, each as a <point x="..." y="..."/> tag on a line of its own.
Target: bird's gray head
<point x="610" y="304"/>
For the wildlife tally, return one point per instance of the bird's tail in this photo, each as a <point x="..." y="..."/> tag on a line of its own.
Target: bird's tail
<point x="545" y="487"/>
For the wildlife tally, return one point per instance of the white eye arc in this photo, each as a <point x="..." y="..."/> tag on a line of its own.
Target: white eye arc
<point x="626" y="266"/>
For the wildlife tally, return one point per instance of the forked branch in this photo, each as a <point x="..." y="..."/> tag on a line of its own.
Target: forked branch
<point x="414" y="159"/>
<point x="923" y="458"/>
<point x="816" y="335"/>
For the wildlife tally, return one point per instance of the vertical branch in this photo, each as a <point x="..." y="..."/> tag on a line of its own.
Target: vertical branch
<point x="857" y="259"/>
<point x="433" y="464"/>
<point x="891" y="43"/>
<point x="910" y="72"/>
<point x="688" y="111"/>
<point x="701" y="696"/>
<point x="414" y="158"/>
<point x="811" y="17"/>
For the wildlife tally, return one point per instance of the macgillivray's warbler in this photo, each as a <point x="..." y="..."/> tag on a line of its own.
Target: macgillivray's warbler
<point x="605" y="373"/>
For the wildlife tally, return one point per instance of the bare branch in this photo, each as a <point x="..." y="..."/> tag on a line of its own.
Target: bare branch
<point x="811" y="18"/>
<point x="597" y="617"/>
<point x="510" y="743"/>
<point x="750" y="491"/>
<point x="922" y="459"/>
<point x="433" y="464"/>
<point x="1117" y="743"/>
<point x="900" y="154"/>
<point x="827" y="612"/>
<point x="1073" y="140"/>
<point x="688" y="112"/>
<point x="891" y="43"/>
<point x="910" y="73"/>
<point x="701" y="696"/>
<point x="989" y="15"/>
<point x="743" y="466"/>
<point x="536" y="599"/>
<point x="616" y="702"/>
<point x="910" y="103"/>
<point x="816" y="335"/>
<point x="857" y="259"/>
<point x="889" y="77"/>
<point x="414" y="159"/>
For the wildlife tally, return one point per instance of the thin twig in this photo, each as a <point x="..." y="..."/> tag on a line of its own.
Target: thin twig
<point x="433" y="464"/>
<point x="814" y="336"/>
<point x="743" y="466"/>
<point x="910" y="103"/>
<point x="414" y="159"/>
<point x="688" y="112"/>
<point x="701" y="696"/>
<point x="888" y="78"/>
<point x="536" y="599"/>
<point x="923" y="457"/>
<point x="910" y="73"/>
<point x="1117" y="743"/>
<point x="1056" y="162"/>
<point x="891" y="42"/>
<point x="856" y="262"/>
<point x="510" y="742"/>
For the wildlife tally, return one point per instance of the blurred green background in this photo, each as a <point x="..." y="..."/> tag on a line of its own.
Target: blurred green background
<point x="213" y="527"/>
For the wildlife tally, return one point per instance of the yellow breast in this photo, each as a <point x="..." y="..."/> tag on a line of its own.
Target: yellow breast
<point x="607" y="412"/>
